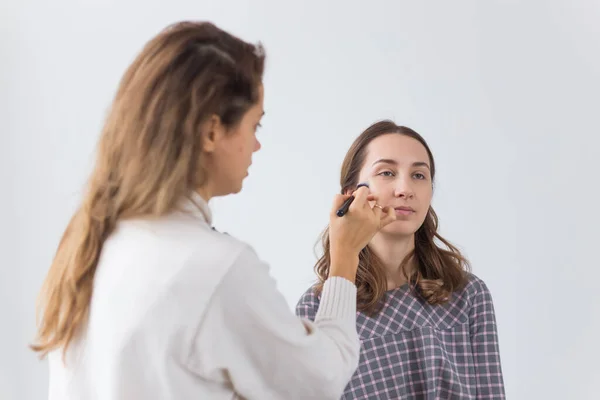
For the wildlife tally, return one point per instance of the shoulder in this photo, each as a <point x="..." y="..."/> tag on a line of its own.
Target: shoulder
<point x="308" y="303"/>
<point x="476" y="288"/>
<point x="310" y="296"/>
<point x="186" y="240"/>
<point x="205" y="243"/>
<point x="229" y="253"/>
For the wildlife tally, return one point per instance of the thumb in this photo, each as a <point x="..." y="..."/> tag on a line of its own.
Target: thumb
<point x="378" y="211"/>
<point x="387" y="216"/>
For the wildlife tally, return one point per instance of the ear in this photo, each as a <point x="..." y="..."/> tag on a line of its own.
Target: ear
<point x="213" y="130"/>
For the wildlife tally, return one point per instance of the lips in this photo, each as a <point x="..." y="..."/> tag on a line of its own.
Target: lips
<point x="403" y="210"/>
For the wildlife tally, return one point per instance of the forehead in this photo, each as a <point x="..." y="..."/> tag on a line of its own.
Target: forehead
<point x="261" y="99"/>
<point x="256" y="110"/>
<point x="397" y="147"/>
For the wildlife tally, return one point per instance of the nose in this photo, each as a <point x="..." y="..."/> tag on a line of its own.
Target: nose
<point x="404" y="189"/>
<point x="257" y="145"/>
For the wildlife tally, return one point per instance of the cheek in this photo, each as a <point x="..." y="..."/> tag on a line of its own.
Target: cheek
<point x="250" y="143"/>
<point x="425" y="201"/>
<point x="242" y="146"/>
<point x="425" y="192"/>
<point x="384" y="197"/>
<point x="382" y="190"/>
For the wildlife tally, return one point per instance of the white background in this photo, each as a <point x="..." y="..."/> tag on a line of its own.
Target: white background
<point x="506" y="93"/>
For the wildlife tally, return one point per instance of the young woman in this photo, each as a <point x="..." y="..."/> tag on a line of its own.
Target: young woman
<point x="144" y="300"/>
<point x="427" y="327"/>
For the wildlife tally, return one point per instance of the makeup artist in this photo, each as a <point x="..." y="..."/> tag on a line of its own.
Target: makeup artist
<point x="143" y="299"/>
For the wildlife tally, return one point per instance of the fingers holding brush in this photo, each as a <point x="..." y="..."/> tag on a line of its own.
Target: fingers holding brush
<point x="360" y="198"/>
<point x="387" y="215"/>
<point x="343" y="202"/>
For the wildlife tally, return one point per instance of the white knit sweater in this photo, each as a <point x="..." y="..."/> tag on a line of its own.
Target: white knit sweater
<point x="180" y="311"/>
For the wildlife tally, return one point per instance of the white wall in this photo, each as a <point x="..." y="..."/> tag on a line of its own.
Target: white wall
<point x="507" y="94"/>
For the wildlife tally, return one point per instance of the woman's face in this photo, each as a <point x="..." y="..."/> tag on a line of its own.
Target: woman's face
<point x="397" y="168"/>
<point x="230" y="152"/>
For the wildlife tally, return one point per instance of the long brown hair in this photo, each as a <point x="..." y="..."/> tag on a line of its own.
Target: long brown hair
<point x="148" y="155"/>
<point x="438" y="272"/>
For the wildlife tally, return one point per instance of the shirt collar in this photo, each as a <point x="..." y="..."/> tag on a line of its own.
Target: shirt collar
<point x="197" y="206"/>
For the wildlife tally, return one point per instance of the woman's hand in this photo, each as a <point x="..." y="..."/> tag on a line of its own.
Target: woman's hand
<point x="349" y="234"/>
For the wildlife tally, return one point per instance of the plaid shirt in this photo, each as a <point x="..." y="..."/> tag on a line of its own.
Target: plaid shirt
<point x="412" y="350"/>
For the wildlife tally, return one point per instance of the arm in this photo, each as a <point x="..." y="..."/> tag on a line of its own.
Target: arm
<point x="485" y="347"/>
<point x="251" y="336"/>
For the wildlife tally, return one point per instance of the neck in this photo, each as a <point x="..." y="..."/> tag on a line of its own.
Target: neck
<point x="205" y="192"/>
<point x="392" y="250"/>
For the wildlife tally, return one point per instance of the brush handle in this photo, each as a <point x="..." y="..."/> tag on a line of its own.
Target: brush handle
<point x="346" y="205"/>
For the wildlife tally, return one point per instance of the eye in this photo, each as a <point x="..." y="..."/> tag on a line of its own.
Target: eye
<point x="419" y="176"/>
<point x="386" y="173"/>
<point x="258" y="126"/>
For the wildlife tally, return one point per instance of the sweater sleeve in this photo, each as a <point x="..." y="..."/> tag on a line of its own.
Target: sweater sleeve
<point x="250" y="335"/>
<point x="485" y="346"/>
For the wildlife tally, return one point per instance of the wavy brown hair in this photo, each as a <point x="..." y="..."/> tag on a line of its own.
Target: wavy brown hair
<point x="438" y="271"/>
<point x="148" y="155"/>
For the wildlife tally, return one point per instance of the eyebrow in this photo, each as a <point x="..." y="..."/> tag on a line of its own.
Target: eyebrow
<point x="394" y="162"/>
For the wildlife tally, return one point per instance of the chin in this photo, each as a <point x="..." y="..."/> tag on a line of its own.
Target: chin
<point x="399" y="228"/>
<point x="236" y="189"/>
<point x="229" y="189"/>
